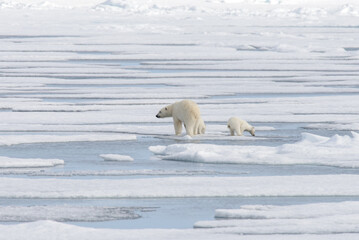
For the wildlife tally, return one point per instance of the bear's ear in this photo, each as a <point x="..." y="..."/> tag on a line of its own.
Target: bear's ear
<point x="166" y="109"/>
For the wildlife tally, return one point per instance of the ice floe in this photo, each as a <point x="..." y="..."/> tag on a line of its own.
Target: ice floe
<point x="190" y="186"/>
<point x="304" y="211"/>
<point x="47" y="229"/>
<point x="7" y="162"/>
<point x="334" y="126"/>
<point x="116" y="157"/>
<point x="339" y="151"/>
<point x="318" y="218"/>
<point x="323" y="225"/>
<point x="29" y="139"/>
<point x="142" y="172"/>
<point x="65" y="213"/>
<point x="42" y="230"/>
<point x="273" y="8"/>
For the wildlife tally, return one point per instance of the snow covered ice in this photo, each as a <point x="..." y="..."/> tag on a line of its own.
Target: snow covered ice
<point x="64" y="213"/>
<point x="82" y="155"/>
<point x="190" y="186"/>
<point x="6" y="162"/>
<point x="22" y="139"/>
<point x="323" y="218"/>
<point x="340" y="151"/>
<point x="116" y="157"/>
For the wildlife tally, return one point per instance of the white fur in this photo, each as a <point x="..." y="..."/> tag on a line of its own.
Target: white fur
<point x="184" y="112"/>
<point x="238" y="126"/>
<point x="200" y="126"/>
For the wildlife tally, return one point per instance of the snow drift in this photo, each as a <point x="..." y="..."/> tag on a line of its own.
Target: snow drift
<point x="339" y="151"/>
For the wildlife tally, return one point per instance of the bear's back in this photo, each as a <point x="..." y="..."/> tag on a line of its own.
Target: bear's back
<point x="187" y="107"/>
<point x="234" y="121"/>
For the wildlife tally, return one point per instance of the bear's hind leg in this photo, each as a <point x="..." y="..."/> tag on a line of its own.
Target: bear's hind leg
<point x="190" y="129"/>
<point x="197" y="128"/>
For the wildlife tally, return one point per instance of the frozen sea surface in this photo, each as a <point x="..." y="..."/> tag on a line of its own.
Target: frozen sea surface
<point x="82" y="153"/>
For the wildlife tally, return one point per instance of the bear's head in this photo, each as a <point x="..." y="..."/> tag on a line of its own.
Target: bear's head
<point x="164" y="112"/>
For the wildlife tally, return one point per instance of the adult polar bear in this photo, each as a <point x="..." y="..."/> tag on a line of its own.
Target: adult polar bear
<point x="186" y="112"/>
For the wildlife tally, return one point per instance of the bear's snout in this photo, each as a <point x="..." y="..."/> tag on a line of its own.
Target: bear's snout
<point x="157" y="116"/>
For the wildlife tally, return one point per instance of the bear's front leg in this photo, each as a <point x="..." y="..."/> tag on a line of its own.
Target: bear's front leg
<point x="239" y="133"/>
<point x="178" y="126"/>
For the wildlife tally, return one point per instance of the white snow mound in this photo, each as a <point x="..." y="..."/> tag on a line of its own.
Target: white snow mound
<point x="339" y="151"/>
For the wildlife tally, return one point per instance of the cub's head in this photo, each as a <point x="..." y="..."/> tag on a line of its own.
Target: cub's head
<point x="164" y="112"/>
<point x="253" y="131"/>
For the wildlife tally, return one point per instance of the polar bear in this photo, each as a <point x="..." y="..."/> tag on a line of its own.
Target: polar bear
<point x="186" y="112"/>
<point x="238" y="126"/>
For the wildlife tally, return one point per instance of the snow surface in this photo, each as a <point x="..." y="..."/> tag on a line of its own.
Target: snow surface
<point x="274" y="186"/>
<point x="49" y="229"/>
<point x="6" y="162"/>
<point x="82" y="78"/>
<point x="23" y="139"/>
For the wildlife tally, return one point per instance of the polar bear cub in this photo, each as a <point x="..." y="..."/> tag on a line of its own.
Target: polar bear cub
<point x="238" y="126"/>
<point x="186" y="112"/>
